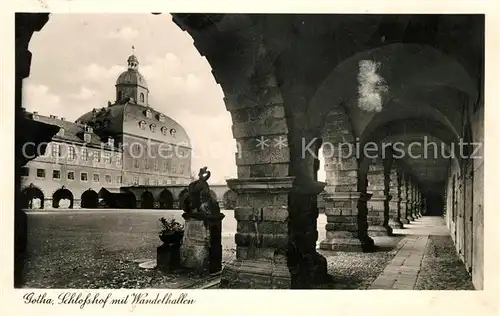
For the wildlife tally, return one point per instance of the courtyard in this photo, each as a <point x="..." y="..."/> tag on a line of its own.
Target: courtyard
<point x="103" y="249"/>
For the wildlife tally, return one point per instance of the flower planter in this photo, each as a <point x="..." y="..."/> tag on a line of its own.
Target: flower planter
<point x="172" y="237"/>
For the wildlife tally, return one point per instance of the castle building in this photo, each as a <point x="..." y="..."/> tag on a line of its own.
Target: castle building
<point x="121" y="155"/>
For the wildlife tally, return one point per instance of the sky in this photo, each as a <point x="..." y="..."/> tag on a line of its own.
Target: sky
<point x="77" y="58"/>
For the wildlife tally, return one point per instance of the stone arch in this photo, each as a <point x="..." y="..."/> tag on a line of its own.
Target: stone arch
<point x="147" y="200"/>
<point x="166" y="199"/>
<point x="31" y="193"/>
<point x="62" y="194"/>
<point x="229" y="199"/>
<point x="182" y="197"/>
<point x="424" y="67"/>
<point x="90" y="199"/>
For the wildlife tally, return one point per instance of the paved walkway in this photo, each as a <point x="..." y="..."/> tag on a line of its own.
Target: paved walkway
<point x="402" y="271"/>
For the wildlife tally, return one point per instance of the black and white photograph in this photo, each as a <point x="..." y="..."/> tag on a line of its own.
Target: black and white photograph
<point x="217" y="151"/>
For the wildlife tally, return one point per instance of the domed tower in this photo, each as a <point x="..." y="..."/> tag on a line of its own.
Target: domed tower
<point x="131" y="85"/>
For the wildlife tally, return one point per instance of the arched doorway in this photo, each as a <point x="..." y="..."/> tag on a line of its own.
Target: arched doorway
<point x="147" y="200"/>
<point x="90" y="199"/>
<point x="229" y="200"/>
<point x="166" y="200"/>
<point x="62" y="198"/>
<point x="182" y="198"/>
<point x="33" y="198"/>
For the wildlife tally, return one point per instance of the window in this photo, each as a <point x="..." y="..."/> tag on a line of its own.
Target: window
<point x="56" y="174"/>
<point x="83" y="176"/>
<point x="174" y="181"/>
<point x="87" y="137"/>
<point x="111" y="141"/>
<point x="153" y="127"/>
<point x="136" y="181"/>
<point x="136" y="150"/>
<point x="146" y="181"/>
<point x="165" y="166"/>
<point x="165" y="182"/>
<point x="164" y="130"/>
<point x="142" y="124"/>
<point x="118" y="160"/>
<point x="161" y="118"/>
<point x="108" y="178"/>
<point x="148" y="113"/>
<point x="157" y="182"/>
<point x="71" y="175"/>
<point x="96" y="156"/>
<point x="95" y="177"/>
<point x="61" y="132"/>
<point x="56" y="150"/>
<point x="25" y="172"/>
<point x="136" y="163"/>
<point x="141" y="97"/>
<point x="174" y="169"/>
<point x="172" y="132"/>
<point x="118" y="179"/>
<point x="155" y="164"/>
<point x="71" y="153"/>
<point x="147" y="163"/>
<point x="85" y="154"/>
<point x="107" y="157"/>
<point x="40" y="173"/>
<point x="181" y="168"/>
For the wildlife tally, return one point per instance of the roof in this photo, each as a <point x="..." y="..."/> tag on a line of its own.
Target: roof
<point x="132" y="77"/>
<point x="69" y="131"/>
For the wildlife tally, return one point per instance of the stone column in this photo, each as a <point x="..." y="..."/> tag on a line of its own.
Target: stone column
<point x="262" y="234"/>
<point x="394" y="199"/>
<point x="378" y="220"/>
<point x="409" y="200"/>
<point x="403" y="197"/>
<point x="345" y="208"/>
<point x="416" y="203"/>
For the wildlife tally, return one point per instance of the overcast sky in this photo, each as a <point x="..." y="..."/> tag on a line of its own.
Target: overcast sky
<point x="77" y="58"/>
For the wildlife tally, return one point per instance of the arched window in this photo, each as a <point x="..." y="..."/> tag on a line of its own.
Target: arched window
<point x="153" y="127"/>
<point x="141" y="97"/>
<point x="172" y="132"/>
<point x="148" y="113"/>
<point x="164" y="130"/>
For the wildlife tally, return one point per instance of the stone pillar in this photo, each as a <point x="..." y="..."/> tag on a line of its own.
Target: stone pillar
<point x="345" y="208"/>
<point x="409" y="200"/>
<point x="262" y="237"/>
<point x="394" y="199"/>
<point x="416" y="203"/>
<point x="403" y="197"/>
<point x="378" y="220"/>
<point x="201" y="248"/>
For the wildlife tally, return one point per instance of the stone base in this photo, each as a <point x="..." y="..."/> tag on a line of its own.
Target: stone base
<point x="255" y="274"/>
<point x="395" y="224"/>
<point x="345" y="241"/>
<point x="168" y="257"/>
<point x="379" y="231"/>
<point x="405" y="221"/>
<point x="410" y="218"/>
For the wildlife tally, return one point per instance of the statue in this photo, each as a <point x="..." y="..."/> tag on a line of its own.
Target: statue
<point x="199" y="199"/>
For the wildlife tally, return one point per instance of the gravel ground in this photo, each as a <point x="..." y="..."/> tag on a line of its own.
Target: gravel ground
<point x="356" y="270"/>
<point x="441" y="267"/>
<point x="101" y="250"/>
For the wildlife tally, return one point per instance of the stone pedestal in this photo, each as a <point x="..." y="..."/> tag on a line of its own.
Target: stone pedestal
<point x="201" y="248"/>
<point x="168" y="257"/>
<point x="262" y="239"/>
<point x="346" y="229"/>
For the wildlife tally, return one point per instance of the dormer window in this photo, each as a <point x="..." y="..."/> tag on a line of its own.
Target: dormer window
<point x="141" y="97"/>
<point x="148" y="114"/>
<point x="87" y="137"/>
<point x="142" y="124"/>
<point x="61" y="132"/>
<point x="172" y="132"/>
<point x="111" y="141"/>
<point x="161" y="118"/>
<point x="153" y="127"/>
<point x="35" y="115"/>
<point x="164" y="130"/>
